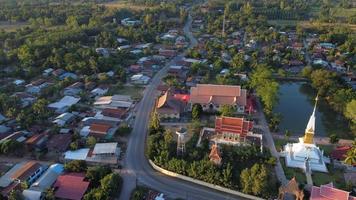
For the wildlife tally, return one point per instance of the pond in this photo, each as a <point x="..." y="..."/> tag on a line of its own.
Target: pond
<point x="296" y="102"/>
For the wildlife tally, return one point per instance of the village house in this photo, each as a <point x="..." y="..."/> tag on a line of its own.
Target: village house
<point x="104" y="154"/>
<point x="68" y="75"/>
<point x="101" y="154"/>
<point x="130" y="22"/>
<point x="74" y="89"/>
<point x="213" y="97"/>
<point x="98" y="130"/>
<point x="168" y="107"/>
<point x="59" y="142"/>
<point x="37" y="142"/>
<point x="23" y="172"/>
<point x="167" y="53"/>
<point x="26" y="98"/>
<point x="47" y="71"/>
<point x="70" y="186"/>
<point x="47" y="179"/>
<point x="36" y="86"/>
<point x="115" y="101"/>
<point x="140" y="79"/>
<point x="99" y="91"/>
<point x="64" y="104"/>
<point x="58" y="72"/>
<point x="64" y="119"/>
<point x="112" y="115"/>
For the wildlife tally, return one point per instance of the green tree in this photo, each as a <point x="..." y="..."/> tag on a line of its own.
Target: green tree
<point x="155" y="124"/>
<point x="350" y="111"/>
<point x="96" y="173"/>
<point x="75" y="166"/>
<point x="91" y="141"/>
<point x="227" y="176"/>
<point x="350" y="158"/>
<point x="238" y="62"/>
<point x="72" y="22"/>
<point x="254" y="180"/>
<point x="49" y="194"/>
<point x="196" y="111"/>
<point x="73" y="145"/>
<point x="227" y="110"/>
<point x="111" y="184"/>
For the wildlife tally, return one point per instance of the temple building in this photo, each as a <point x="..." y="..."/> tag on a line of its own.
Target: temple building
<point x="214" y="155"/>
<point x="305" y="154"/>
<point x="212" y="97"/>
<point x="231" y="131"/>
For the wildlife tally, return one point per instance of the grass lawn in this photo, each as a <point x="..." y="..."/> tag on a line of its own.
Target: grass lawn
<point x="136" y="92"/>
<point x="344" y="12"/>
<point x="336" y="176"/>
<point x="293" y="172"/>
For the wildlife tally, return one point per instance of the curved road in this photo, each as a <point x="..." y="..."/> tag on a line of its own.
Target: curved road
<point x="136" y="167"/>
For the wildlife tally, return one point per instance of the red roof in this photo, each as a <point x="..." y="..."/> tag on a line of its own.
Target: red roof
<point x="182" y="97"/>
<point x="233" y="125"/>
<point x="340" y="152"/>
<point x="328" y="192"/>
<point x="114" y="112"/>
<point x="71" y="186"/>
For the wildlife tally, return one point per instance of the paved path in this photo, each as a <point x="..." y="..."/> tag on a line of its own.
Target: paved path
<point x="136" y="167"/>
<point x="268" y="142"/>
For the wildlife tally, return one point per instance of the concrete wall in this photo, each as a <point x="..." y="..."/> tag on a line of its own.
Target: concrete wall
<point x="216" y="187"/>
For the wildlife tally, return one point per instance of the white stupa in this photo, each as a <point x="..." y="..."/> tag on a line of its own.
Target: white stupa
<point x="305" y="154"/>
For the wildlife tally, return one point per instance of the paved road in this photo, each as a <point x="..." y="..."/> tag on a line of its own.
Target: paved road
<point x="136" y="167"/>
<point x="269" y="142"/>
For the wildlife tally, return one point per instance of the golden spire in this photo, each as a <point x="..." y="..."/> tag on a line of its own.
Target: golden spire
<point x="310" y="130"/>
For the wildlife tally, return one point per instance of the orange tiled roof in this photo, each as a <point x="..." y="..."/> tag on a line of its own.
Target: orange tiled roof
<point x="233" y="125"/>
<point x="218" y="94"/>
<point x="99" y="128"/>
<point x="26" y="170"/>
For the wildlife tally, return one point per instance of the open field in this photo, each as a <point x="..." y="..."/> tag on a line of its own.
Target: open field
<point x="136" y="92"/>
<point x="12" y="26"/>
<point x="283" y="23"/>
<point x="307" y="24"/>
<point x="125" y="5"/>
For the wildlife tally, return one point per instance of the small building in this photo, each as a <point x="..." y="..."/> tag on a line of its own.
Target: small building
<point x="104" y="154"/>
<point x="214" y="155"/>
<point x="100" y="91"/>
<point x="80" y="154"/>
<point x="64" y="119"/>
<point x="169" y="107"/>
<point x="37" y="142"/>
<point x="140" y="79"/>
<point x="68" y="75"/>
<point x="25" y="98"/>
<point x="115" y="101"/>
<point x="70" y="186"/>
<point x="27" y="171"/>
<point x="74" y="89"/>
<point x="59" y="142"/>
<point x="112" y="114"/>
<point x="101" y="131"/>
<point x="64" y="104"/>
<point x="48" y="178"/>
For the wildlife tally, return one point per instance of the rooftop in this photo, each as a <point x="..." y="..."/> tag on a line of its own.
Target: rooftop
<point x="105" y="148"/>
<point x="71" y="186"/>
<point x="26" y="170"/>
